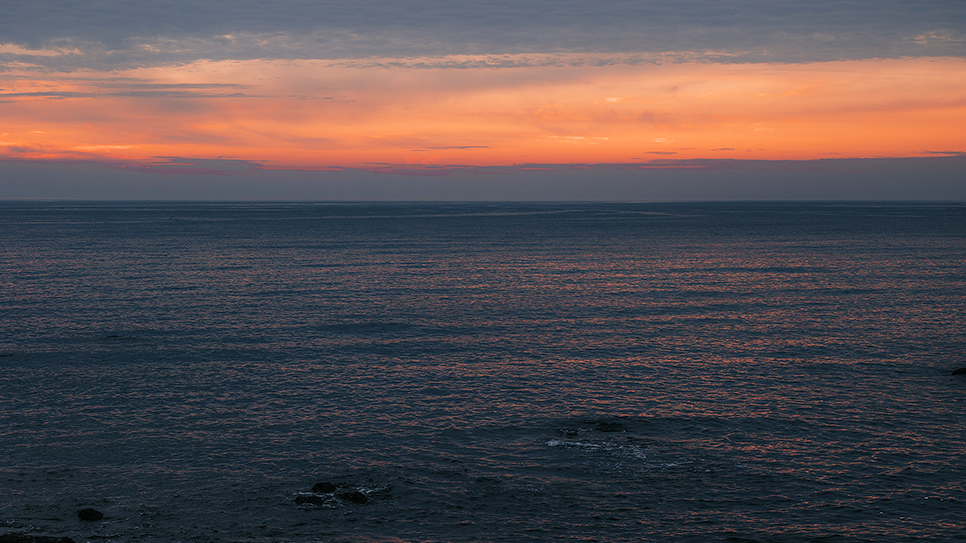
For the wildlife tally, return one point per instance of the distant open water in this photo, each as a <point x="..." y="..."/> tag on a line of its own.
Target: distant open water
<point x="484" y="372"/>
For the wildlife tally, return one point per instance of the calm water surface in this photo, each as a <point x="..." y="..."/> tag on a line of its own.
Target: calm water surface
<point x="504" y="372"/>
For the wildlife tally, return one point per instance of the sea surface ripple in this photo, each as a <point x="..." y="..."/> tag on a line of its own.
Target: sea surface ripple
<point x="483" y="372"/>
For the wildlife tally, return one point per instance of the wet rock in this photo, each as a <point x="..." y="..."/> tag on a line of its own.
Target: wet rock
<point x="960" y="371"/>
<point x="324" y="488"/>
<point x="314" y="500"/>
<point x="353" y="496"/>
<point x="24" y="538"/>
<point x="90" y="514"/>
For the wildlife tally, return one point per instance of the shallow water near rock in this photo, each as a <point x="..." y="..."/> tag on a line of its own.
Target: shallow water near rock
<point x="483" y="372"/>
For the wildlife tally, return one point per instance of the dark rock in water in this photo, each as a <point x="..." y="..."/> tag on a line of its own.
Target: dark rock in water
<point x="609" y="427"/>
<point x="353" y="497"/>
<point x="314" y="500"/>
<point x="24" y="538"/>
<point x="960" y="371"/>
<point x="90" y="514"/>
<point x="324" y="488"/>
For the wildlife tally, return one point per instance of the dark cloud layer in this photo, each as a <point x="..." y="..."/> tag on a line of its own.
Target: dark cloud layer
<point x="123" y="32"/>
<point x="170" y="178"/>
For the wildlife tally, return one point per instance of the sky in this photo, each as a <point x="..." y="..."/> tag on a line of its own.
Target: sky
<point x="491" y="100"/>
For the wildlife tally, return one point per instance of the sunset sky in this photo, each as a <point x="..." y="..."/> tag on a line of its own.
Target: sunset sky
<point x="431" y="99"/>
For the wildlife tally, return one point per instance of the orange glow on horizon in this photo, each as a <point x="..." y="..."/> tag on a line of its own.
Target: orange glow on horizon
<point x="319" y="115"/>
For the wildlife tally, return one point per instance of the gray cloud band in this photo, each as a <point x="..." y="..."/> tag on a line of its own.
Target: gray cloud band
<point x="108" y="34"/>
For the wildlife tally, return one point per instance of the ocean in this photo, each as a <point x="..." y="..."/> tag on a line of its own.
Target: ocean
<point x="673" y="372"/>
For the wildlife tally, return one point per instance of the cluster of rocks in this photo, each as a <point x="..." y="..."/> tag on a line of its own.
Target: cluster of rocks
<point x="331" y="494"/>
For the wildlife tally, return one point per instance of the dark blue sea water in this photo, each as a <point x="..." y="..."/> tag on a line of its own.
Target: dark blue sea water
<point x="483" y="372"/>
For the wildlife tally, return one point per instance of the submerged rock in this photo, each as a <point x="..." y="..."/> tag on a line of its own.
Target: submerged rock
<point x="324" y="488"/>
<point x="353" y="496"/>
<point x="609" y="427"/>
<point x="329" y="494"/>
<point x="24" y="538"/>
<point x="90" y="514"/>
<point x="314" y="500"/>
<point x="960" y="371"/>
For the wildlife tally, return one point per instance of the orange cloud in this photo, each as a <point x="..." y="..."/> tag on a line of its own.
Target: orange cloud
<point x="321" y="114"/>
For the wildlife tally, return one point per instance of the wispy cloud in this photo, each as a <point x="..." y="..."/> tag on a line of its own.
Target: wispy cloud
<point x="111" y="34"/>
